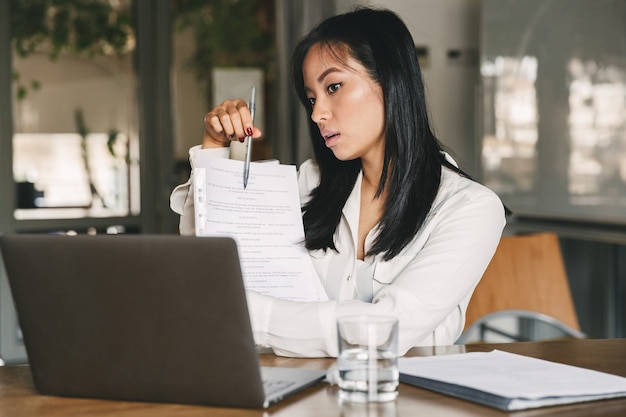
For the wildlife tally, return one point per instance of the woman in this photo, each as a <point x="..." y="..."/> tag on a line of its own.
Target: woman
<point x="392" y="225"/>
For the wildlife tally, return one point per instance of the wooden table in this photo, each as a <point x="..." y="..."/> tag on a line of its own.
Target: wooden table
<point x="18" y="398"/>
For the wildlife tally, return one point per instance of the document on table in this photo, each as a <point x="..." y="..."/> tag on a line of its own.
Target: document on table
<point x="264" y="219"/>
<point x="509" y="381"/>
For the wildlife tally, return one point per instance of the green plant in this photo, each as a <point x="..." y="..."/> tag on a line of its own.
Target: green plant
<point x="226" y="32"/>
<point x="80" y="27"/>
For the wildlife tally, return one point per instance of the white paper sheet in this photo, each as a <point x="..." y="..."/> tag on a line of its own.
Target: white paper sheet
<point x="510" y="381"/>
<point x="265" y="220"/>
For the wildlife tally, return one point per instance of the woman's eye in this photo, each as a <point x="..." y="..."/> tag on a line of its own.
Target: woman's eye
<point x="333" y="87"/>
<point x="311" y="101"/>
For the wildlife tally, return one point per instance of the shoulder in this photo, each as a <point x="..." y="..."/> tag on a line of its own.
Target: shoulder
<point x="455" y="186"/>
<point x="457" y="192"/>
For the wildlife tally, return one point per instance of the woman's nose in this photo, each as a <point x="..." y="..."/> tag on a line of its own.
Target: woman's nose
<point x="320" y="111"/>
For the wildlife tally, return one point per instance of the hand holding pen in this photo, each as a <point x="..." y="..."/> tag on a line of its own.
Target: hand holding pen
<point x="230" y="121"/>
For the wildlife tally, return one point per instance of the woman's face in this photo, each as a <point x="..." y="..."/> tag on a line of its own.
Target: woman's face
<point x="347" y="104"/>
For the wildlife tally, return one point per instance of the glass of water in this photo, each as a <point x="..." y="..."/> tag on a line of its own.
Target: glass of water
<point x="367" y="361"/>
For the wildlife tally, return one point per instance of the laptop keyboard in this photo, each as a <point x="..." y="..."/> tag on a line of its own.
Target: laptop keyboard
<point x="272" y="386"/>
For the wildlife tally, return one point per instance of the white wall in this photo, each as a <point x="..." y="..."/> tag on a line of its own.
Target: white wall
<point x="102" y="87"/>
<point x="441" y="26"/>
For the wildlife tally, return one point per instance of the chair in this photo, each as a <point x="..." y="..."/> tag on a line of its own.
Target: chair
<point x="523" y="295"/>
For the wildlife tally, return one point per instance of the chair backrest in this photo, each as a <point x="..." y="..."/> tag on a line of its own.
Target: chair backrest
<point x="526" y="273"/>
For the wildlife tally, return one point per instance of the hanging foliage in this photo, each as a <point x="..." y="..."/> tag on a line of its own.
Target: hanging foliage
<point x="79" y="27"/>
<point x="225" y="32"/>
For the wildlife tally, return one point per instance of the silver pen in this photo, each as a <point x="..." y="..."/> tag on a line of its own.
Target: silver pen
<point x="246" y="162"/>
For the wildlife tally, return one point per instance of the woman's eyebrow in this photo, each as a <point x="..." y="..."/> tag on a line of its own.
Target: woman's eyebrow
<point x="322" y="76"/>
<point x="326" y="72"/>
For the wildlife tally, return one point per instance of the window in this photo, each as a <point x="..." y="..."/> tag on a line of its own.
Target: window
<point x="75" y="142"/>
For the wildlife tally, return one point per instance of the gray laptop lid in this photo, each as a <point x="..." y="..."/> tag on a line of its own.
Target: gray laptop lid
<point x="136" y="317"/>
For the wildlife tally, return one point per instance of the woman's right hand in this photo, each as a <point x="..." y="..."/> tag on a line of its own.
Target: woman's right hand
<point x="230" y="121"/>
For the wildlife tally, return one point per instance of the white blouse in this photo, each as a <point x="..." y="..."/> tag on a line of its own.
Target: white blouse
<point x="427" y="286"/>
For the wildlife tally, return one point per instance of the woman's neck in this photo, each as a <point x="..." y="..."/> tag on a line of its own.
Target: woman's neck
<point x="372" y="172"/>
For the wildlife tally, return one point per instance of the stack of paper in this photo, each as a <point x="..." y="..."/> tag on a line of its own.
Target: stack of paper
<point x="508" y="381"/>
<point x="265" y="220"/>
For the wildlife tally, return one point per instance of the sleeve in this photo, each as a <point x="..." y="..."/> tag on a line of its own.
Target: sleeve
<point x="181" y="199"/>
<point x="429" y="295"/>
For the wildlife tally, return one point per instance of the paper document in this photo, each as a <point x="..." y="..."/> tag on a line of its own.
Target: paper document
<point x="264" y="219"/>
<point x="508" y="381"/>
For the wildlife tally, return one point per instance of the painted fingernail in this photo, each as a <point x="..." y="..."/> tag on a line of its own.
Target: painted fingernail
<point x="242" y="139"/>
<point x="249" y="131"/>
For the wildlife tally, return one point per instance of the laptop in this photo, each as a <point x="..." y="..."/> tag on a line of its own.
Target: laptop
<point x="157" y="318"/>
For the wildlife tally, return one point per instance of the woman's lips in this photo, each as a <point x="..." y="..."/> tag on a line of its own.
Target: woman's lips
<point x="330" y="138"/>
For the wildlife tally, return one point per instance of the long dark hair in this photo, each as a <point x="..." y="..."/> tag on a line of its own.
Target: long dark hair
<point x="381" y="42"/>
